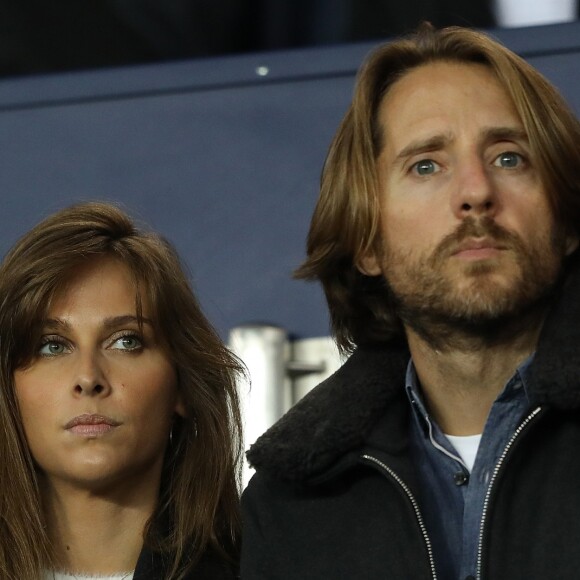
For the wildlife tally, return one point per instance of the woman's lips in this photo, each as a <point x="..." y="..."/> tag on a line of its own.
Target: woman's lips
<point x="91" y="425"/>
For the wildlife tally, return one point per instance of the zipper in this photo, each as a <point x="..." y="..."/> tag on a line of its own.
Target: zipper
<point x="498" y="466"/>
<point x="415" y="505"/>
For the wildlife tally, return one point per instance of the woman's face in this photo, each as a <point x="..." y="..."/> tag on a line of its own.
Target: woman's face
<point x="98" y="400"/>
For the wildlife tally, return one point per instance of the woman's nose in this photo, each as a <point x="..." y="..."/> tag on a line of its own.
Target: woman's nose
<point x="90" y="376"/>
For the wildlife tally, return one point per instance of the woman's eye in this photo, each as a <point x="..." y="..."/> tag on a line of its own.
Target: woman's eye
<point x="509" y="159"/>
<point x="425" y="167"/>
<point x="128" y="342"/>
<point x="52" y="348"/>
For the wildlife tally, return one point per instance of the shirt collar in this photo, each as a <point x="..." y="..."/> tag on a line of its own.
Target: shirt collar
<point x="520" y="379"/>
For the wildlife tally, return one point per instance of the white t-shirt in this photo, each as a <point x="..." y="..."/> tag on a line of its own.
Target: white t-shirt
<point x="467" y="447"/>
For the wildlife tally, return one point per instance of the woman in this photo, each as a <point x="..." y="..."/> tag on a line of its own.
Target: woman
<point x="120" y="434"/>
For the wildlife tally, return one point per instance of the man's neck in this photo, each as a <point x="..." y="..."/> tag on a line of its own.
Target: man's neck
<point x="461" y="382"/>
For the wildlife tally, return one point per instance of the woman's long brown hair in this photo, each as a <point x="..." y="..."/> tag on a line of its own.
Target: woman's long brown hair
<point x="198" y="505"/>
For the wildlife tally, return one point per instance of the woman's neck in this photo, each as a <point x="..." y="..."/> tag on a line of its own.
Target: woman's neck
<point x="96" y="533"/>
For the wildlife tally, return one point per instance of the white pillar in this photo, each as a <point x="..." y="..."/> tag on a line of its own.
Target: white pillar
<point x="266" y="397"/>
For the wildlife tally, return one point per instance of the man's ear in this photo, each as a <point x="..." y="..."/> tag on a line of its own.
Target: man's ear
<point x="572" y="241"/>
<point x="369" y="264"/>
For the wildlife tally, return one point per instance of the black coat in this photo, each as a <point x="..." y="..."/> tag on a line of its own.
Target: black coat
<point x="335" y="494"/>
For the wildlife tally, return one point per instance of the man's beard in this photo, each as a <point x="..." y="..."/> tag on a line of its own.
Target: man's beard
<point x="440" y="304"/>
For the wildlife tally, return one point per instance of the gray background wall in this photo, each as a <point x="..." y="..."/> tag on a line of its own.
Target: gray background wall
<point x="220" y="158"/>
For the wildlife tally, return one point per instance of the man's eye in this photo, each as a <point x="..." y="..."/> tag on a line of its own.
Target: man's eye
<point x="52" y="348"/>
<point x="425" y="167"/>
<point x="508" y="160"/>
<point x="129" y="342"/>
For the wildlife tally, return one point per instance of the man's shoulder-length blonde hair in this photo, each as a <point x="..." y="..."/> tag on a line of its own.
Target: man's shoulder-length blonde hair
<point x="198" y="505"/>
<point x="345" y="224"/>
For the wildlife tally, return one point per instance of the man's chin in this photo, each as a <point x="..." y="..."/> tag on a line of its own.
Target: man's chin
<point x="491" y="271"/>
<point x="483" y="290"/>
<point x="470" y="302"/>
<point x="476" y="311"/>
<point x="457" y="323"/>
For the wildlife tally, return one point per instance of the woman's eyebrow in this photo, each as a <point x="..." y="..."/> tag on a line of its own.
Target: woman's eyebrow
<point x="55" y="324"/>
<point x="109" y="322"/>
<point x="115" y="321"/>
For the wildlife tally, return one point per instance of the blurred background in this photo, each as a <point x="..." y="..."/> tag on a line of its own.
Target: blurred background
<point x="64" y="35"/>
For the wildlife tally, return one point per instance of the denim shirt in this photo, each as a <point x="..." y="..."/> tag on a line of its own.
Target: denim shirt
<point x="451" y="498"/>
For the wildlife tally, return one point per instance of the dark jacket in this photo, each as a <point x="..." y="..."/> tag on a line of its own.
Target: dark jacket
<point x="335" y="494"/>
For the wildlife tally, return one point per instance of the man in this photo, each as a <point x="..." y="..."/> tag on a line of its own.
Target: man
<point x="445" y="236"/>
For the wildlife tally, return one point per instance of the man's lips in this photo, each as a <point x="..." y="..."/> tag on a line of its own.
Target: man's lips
<point x="91" y="425"/>
<point x="478" y="248"/>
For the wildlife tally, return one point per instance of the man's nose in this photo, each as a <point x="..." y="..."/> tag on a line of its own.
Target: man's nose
<point x="474" y="191"/>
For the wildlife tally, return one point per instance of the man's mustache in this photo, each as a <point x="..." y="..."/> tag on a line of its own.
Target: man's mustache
<point x="470" y="227"/>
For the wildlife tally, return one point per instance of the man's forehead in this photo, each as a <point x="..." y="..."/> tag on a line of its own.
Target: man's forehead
<point x="422" y="80"/>
<point x="435" y="101"/>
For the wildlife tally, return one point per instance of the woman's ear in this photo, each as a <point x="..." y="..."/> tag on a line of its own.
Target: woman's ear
<point x="180" y="407"/>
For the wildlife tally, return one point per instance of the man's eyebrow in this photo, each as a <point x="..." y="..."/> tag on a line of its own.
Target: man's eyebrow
<point x="505" y="134"/>
<point x="110" y="322"/>
<point x="423" y="146"/>
<point x="439" y="141"/>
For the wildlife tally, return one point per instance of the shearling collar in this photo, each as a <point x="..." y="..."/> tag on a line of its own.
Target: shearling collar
<point x="337" y="416"/>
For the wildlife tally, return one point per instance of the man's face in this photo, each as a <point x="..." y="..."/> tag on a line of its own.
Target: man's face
<point x="468" y="234"/>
